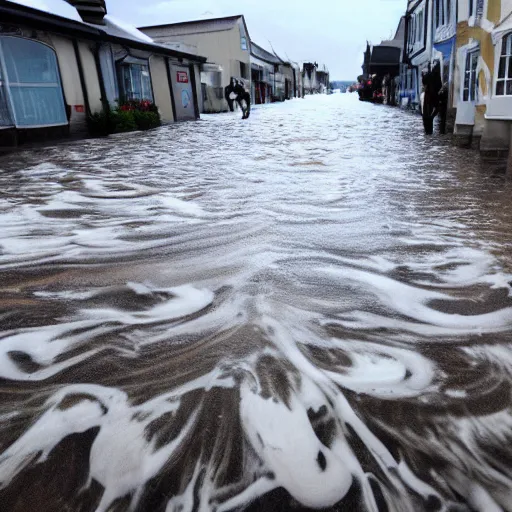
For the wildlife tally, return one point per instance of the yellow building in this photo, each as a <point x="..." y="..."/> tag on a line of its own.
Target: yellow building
<point x="483" y="75"/>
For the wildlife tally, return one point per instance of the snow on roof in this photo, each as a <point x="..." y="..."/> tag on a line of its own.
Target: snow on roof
<point x="119" y="28"/>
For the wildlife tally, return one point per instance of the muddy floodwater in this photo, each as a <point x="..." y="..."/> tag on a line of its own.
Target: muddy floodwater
<point x="310" y="309"/>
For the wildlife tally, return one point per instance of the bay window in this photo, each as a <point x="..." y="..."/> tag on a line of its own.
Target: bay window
<point x="30" y="85"/>
<point x="504" y="76"/>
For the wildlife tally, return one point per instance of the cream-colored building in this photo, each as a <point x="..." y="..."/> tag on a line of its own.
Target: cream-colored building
<point x="56" y="72"/>
<point x="223" y="41"/>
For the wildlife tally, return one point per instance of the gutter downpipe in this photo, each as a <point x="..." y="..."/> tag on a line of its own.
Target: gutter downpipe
<point x="169" y="79"/>
<point x="82" y="77"/>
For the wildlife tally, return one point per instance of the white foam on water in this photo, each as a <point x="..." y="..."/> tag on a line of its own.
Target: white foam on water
<point x="413" y="302"/>
<point x="284" y="438"/>
<point x="44" y="345"/>
<point x="185" y="300"/>
<point x="382" y="371"/>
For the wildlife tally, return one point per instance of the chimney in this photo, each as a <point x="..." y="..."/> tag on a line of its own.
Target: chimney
<point x="91" y="11"/>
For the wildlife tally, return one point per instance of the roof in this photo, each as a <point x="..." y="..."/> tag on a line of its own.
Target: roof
<point x="385" y="55"/>
<point x="260" y="53"/>
<point x="34" y="18"/>
<point x="398" y="40"/>
<point x="198" y="26"/>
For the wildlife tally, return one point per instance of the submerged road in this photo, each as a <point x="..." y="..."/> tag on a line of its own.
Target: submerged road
<point x="309" y="309"/>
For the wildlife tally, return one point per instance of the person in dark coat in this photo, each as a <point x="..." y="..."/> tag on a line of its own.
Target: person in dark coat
<point x="432" y="85"/>
<point x="235" y="91"/>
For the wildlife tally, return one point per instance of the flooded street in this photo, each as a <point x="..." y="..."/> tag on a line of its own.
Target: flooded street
<point x="309" y="309"/>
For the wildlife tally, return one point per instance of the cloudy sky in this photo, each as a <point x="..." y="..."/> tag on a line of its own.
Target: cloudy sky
<point x="333" y="32"/>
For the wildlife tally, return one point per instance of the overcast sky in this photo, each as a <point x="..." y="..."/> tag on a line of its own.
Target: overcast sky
<point x="333" y="32"/>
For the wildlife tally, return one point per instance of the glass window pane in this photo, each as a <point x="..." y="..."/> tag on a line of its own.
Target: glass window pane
<point x="474" y="60"/>
<point x="502" y="67"/>
<point x="466" y="94"/>
<point x="509" y="67"/>
<point x="509" y="87"/>
<point x="38" y="106"/>
<point x="500" y="88"/>
<point x="5" y="116"/>
<point x="147" y="93"/>
<point x="109" y="75"/>
<point x="29" y="62"/>
<point x="466" y="79"/>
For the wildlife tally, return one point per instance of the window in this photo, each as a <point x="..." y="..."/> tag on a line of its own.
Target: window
<point x="243" y="70"/>
<point x="134" y="79"/>
<point x="471" y="8"/>
<point x="31" y="84"/>
<point x="420" y="26"/>
<point x="443" y="12"/>
<point x="504" y="77"/>
<point x="243" y="43"/>
<point x="107" y="65"/>
<point x="5" y="116"/>
<point x="470" y="76"/>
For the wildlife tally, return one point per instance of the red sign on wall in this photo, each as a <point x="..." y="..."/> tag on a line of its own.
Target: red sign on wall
<point x="79" y="108"/>
<point x="182" y="77"/>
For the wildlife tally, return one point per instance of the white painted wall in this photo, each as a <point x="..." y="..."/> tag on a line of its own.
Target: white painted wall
<point x="506" y="8"/>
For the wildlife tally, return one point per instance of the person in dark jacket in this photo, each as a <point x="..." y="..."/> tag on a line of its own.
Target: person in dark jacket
<point x="235" y="91"/>
<point x="432" y="85"/>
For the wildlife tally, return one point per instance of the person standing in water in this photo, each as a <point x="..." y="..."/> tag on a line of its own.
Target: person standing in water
<point x="235" y="91"/>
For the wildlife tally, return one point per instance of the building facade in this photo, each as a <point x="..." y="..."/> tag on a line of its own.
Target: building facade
<point x="225" y="42"/>
<point x="264" y="65"/>
<point x="56" y="72"/>
<point x="417" y="52"/>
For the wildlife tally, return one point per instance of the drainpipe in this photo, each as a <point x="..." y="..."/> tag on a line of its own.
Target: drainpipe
<point x="169" y="79"/>
<point x="82" y="77"/>
<point x="192" y="72"/>
<point x="104" y="100"/>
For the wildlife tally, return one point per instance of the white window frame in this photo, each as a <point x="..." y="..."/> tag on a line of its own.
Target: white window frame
<point x="506" y="39"/>
<point x="473" y="76"/>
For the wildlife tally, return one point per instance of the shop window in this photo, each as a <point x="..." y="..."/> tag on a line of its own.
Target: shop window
<point x="470" y="76"/>
<point x="30" y="84"/>
<point x="243" y="43"/>
<point x="504" y="76"/>
<point x="134" y="80"/>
